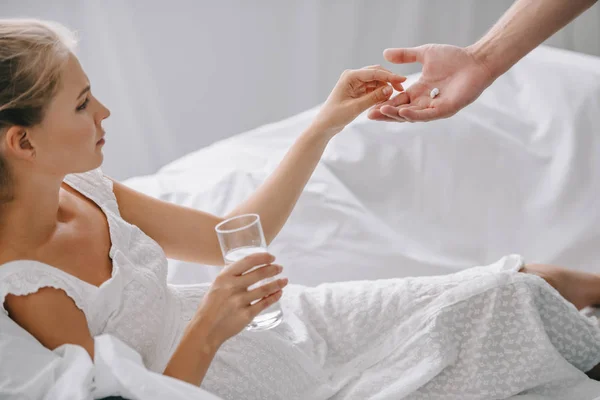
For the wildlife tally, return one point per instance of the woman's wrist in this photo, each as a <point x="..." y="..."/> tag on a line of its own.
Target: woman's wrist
<point x="320" y="132"/>
<point x="207" y="342"/>
<point x="193" y="355"/>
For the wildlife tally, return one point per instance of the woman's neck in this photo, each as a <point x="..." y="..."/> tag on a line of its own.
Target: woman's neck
<point x="31" y="218"/>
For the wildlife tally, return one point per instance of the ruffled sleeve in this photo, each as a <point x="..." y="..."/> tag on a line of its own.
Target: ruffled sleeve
<point x="25" y="277"/>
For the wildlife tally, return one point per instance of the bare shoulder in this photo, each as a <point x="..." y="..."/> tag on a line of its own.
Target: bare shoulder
<point x="130" y="200"/>
<point x="52" y="317"/>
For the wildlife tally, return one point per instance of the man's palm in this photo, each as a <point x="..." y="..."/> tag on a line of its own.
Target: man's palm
<point x="459" y="77"/>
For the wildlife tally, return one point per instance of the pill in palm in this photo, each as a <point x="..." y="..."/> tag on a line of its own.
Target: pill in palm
<point x="434" y="92"/>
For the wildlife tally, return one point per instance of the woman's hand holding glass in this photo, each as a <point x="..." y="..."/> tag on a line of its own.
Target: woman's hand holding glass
<point x="227" y="307"/>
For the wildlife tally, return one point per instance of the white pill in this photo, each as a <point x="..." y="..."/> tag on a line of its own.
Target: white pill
<point x="434" y="92"/>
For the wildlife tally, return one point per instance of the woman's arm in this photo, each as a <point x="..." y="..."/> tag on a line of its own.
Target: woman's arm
<point x="185" y="367"/>
<point x="189" y="235"/>
<point x="183" y="233"/>
<point x="275" y="199"/>
<point x="354" y="92"/>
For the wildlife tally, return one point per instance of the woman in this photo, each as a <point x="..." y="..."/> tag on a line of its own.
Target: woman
<point x="82" y="255"/>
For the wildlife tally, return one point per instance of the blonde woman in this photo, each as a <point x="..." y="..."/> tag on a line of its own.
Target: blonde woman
<point x="82" y="255"/>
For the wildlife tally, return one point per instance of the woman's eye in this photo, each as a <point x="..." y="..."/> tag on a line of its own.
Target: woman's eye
<point x="84" y="105"/>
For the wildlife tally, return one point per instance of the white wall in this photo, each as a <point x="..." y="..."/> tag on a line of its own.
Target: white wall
<point x="180" y="75"/>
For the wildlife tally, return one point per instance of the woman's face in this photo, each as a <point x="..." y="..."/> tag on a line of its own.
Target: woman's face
<point x="68" y="140"/>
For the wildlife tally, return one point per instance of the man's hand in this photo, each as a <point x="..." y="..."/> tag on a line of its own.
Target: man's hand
<point x="455" y="71"/>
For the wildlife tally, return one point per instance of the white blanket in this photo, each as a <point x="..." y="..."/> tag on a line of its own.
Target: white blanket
<point x="30" y="371"/>
<point x="480" y="334"/>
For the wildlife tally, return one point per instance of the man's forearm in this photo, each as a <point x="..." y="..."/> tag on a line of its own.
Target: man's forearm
<point x="525" y="25"/>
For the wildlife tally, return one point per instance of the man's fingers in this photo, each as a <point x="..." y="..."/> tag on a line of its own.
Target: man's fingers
<point x="391" y="112"/>
<point x="404" y="55"/>
<point x="376" y="115"/>
<point x="389" y="106"/>
<point x="416" y="114"/>
<point x="398" y="100"/>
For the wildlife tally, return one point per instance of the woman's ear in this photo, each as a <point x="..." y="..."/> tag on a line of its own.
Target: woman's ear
<point x="17" y="143"/>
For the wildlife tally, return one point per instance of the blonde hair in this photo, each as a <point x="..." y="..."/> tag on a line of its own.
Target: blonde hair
<point x="32" y="54"/>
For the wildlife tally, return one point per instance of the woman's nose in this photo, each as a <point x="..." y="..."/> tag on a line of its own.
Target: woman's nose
<point x="104" y="112"/>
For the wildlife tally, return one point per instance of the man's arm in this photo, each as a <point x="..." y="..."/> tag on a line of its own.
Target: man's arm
<point x="525" y="25"/>
<point x="462" y="74"/>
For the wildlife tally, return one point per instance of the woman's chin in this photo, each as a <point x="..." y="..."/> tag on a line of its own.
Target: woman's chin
<point x="99" y="158"/>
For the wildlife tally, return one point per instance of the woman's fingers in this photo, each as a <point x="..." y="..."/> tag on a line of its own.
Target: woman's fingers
<point x="372" y="74"/>
<point x="370" y="86"/>
<point x="259" y="274"/>
<point x="263" y="304"/>
<point x="264" y="290"/>
<point x="396" y="85"/>
<point x="398" y="100"/>
<point x="249" y="262"/>
<point x="377" y="96"/>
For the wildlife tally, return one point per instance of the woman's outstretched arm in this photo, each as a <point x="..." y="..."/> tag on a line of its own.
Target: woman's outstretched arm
<point x="189" y="235"/>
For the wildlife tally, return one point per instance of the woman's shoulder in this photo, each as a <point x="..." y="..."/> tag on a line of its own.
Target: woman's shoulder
<point x="95" y="185"/>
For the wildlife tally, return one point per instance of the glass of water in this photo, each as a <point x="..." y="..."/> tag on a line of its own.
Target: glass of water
<point x="241" y="236"/>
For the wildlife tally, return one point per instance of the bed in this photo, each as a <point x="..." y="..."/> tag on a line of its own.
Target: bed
<point x="518" y="171"/>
